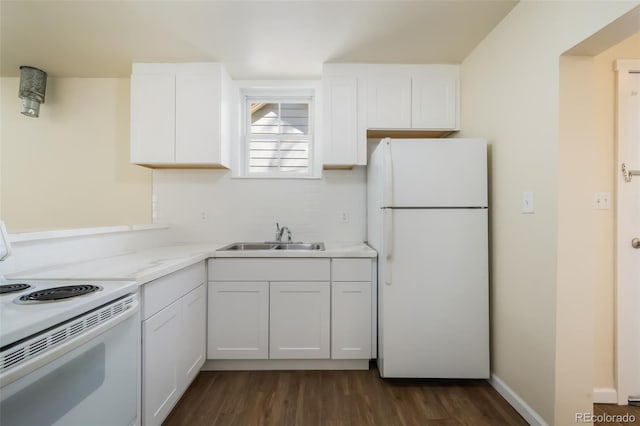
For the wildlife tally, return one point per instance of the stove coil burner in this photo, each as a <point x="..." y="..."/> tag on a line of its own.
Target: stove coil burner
<point x="12" y="288"/>
<point x="57" y="293"/>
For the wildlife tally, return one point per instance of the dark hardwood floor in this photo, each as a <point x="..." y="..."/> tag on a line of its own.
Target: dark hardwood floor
<point x="632" y="412"/>
<point x="326" y="398"/>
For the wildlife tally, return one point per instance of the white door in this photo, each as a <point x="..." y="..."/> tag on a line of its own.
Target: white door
<point x="238" y="323"/>
<point x="299" y="322"/>
<point x="437" y="173"/>
<point x="351" y="319"/>
<point x="434" y="306"/>
<point x="628" y="222"/>
<point x="160" y="333"/>
<point x="341" y="114"/>
<point x="192" y="333"/>
<point x="198" y="119"/>
<point x="153" y="119"/>
<point x="434" y="102"/>
<point x="388" y="103"/>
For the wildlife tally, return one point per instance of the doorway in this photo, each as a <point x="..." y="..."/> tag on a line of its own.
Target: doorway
<point x="627" y="231"/>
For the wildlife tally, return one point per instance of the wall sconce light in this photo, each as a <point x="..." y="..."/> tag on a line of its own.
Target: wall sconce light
<point x="33" y="84"/>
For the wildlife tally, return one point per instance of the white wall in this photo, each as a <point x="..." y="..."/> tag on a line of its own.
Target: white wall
<point x="70" y="167"/>
<point x="248" y="209"/>
<point x="510" y="95"/>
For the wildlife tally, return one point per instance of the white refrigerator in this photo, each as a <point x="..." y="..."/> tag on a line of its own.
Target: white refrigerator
<point x="428" y="220"/>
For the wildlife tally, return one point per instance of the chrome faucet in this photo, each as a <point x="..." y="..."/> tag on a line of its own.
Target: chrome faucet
<point x="280" y="232"/>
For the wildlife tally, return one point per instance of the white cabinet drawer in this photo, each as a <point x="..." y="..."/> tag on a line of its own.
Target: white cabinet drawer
<point x="161" y="292"/>
<point x="351" y="270"/>
<point x="269" y="269"/>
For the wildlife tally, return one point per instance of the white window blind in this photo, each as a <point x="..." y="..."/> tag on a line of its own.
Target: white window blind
<point x="279" y="136"/>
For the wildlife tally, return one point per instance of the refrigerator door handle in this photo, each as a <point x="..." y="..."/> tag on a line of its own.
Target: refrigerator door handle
<point x="388" y="171"/>
<point x="388" y="244"/>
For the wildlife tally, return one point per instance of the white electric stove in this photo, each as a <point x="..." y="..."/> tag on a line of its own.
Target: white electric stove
<point x="69" y="350"/>
<point x="28" y="307"/>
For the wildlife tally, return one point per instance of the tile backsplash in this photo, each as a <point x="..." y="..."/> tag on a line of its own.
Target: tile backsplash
<point x="209" y="205"/>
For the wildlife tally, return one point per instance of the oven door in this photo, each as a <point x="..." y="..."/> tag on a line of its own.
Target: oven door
<point x="95" y="384"/>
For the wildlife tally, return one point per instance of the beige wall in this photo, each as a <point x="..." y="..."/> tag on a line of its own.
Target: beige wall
<point x="70" y="168"/>
<point x="510" y="92"/>
<point x="578" y="261"/>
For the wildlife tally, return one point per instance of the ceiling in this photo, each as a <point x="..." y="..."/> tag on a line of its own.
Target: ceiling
<point x="254" y="39"/>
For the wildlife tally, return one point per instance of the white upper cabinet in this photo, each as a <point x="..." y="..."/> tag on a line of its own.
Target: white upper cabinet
<point x="341" y="121"/>
<point x="434" y="100"/>
<point x="180" y="115"/>
<point x="388" y="102"/>
<point x="153" y="106"/>
<point x="378" y="97"/>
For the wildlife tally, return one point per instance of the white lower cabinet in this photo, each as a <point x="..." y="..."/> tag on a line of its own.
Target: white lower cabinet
<point x="192" y="335"/>
<point x="238" y="320"/>
<point x="350" y="320"/>
<point x="173" y="339"/>
<point x="285" y="308"/>
<point x="299" y="320"/>
<point x="160" y="364"/>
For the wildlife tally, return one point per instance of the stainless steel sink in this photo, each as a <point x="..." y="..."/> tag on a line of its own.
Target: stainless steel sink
<point x="272" y="246"/>
<point x="300" y="246"/>
<point x="248" y="246"/>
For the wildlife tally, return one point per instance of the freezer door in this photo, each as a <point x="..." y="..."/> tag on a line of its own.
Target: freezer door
<point x="434" y="309"/>
<point x="438" y="173"/>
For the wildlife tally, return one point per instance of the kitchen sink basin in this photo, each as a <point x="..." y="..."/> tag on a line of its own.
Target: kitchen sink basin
<point x="273" y="246"/>
<point x="300" y="246"/>
<point x="248" y="246"/>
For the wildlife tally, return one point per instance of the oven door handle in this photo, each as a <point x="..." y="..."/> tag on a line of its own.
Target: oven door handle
<point x="56" y="352"/>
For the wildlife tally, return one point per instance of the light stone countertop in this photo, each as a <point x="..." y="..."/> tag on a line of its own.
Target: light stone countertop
<point x="152" y="263"/>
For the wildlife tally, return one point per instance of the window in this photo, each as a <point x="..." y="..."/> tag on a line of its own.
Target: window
<point x="278" y="140"/>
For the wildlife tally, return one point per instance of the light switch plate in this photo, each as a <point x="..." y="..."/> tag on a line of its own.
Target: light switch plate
<point x="527" y="202"/>
<point x="602" y="201"/>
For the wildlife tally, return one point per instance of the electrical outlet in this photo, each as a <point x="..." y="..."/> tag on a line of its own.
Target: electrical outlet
<point x="344" y="216"/>
<point x="602" y="201"/>
<point x="204" y="216"/>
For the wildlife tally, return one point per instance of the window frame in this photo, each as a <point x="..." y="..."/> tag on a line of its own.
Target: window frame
<point x="278" y="92"/>
<point x="248" y="101"/>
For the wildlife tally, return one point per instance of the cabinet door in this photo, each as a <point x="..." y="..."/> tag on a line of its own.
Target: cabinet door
<point x="341" y="137"/>
<point x="160" y="378"/>
<point x="238" y="320"/>
<point x="351" y="320"/>
<point x="152" y="119"/>
<point x="198" y="118"/>
<point x="434" y="102"/>
<point x="388" y="103"/>
<point x="299" y="320"/>
<point x="192" y="333"/>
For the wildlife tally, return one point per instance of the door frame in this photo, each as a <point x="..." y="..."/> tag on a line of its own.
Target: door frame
<point x="627" y="289"/>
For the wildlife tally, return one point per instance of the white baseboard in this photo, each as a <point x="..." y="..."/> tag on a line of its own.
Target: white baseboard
<point x="529" y="414"/>
<point x="605" y="396"/>
<point x="284" y="364"/>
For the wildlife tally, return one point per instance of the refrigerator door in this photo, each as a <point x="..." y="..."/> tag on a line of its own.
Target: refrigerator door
<point x="434" y="319"/>
<point x="436" y="173"/>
